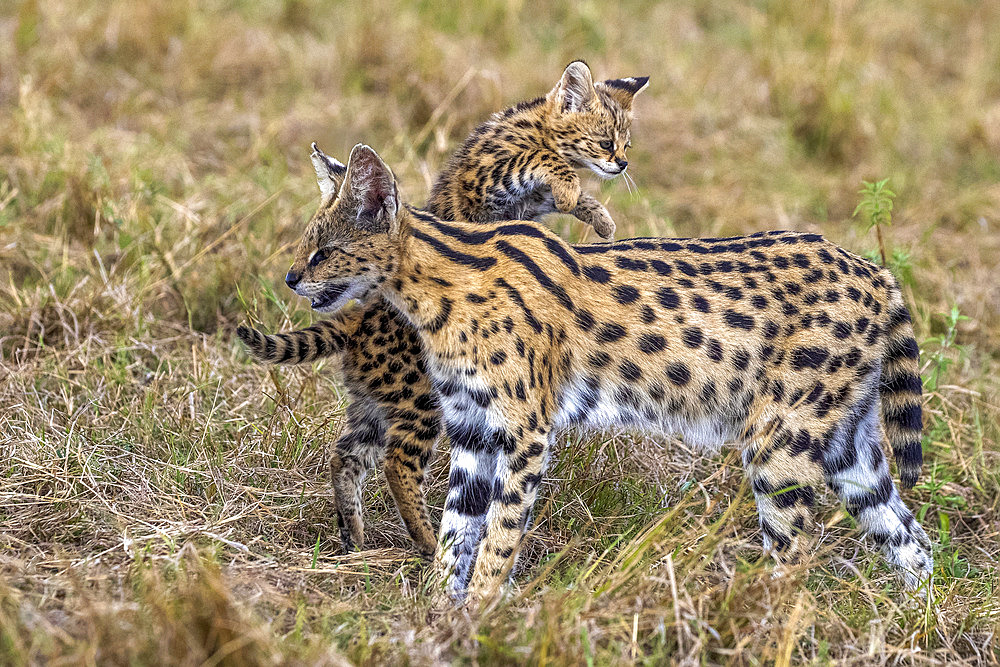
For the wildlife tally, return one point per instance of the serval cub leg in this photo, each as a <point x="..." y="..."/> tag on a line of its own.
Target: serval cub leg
<point x="564" y="183"/>
<point x="568" y="196"/>
<point x="594" y="213"/>
<point x="408" y="450"/>
<point x="355" y="453"/>
<point x="858" y="473"/>
<point x="783" y="472"/>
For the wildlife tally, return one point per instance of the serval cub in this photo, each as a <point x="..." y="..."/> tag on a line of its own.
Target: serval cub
<point x="519" y="163"/>
<point x="798" y="350"/>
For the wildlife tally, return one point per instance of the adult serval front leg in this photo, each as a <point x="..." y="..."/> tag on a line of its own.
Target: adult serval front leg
<point x="470" y="487"/>
<point x="517" y="477"/>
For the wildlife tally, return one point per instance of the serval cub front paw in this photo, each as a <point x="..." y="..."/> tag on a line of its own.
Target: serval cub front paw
<point x="566" y="194"/>
<point x="602" y="223"/>
<point x="592" y="212"/>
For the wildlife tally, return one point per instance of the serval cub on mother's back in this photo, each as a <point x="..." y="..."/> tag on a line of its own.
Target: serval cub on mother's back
<point x="518" y="164"/>
<point x="799" y="350"/>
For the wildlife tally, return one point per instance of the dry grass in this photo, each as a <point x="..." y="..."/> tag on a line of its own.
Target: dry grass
<point x="164" y="501"/>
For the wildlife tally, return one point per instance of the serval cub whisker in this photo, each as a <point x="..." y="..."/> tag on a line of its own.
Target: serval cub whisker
<point x="518" y="164"/>
<point x="796" y="348"/>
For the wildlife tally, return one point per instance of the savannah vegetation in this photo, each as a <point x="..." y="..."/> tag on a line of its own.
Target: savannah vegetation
<point x="164" y="500"/>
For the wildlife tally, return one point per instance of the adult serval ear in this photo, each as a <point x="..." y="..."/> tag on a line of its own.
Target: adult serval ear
<point x="329" y="174"/>
<point x="623" y="90"/>
<point x="370" y="191"/>
<point x="575" y="90"/>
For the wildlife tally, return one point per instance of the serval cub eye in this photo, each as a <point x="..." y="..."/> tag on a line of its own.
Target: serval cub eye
<point x="799" y="352"/>
<point x="517" y="165"/>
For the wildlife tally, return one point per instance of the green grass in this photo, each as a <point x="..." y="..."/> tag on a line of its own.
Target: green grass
<point x="163" y="500"/>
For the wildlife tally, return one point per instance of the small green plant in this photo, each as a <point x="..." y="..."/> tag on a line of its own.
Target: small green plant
<point x="876" y="207"/>
<point x="900" y="263"/>
<point x="901" y="266"/>
<point x="947" y="352"/>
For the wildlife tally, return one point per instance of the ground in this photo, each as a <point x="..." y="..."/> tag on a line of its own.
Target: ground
<point x="164" y="500"/>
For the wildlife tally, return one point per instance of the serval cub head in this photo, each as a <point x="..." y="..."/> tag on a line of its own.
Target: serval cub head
<point x="347" y="247"/>
<point x="591" y="122"/>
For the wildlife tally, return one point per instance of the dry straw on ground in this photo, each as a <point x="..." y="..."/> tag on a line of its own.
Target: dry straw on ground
<point x="164" y="501"/>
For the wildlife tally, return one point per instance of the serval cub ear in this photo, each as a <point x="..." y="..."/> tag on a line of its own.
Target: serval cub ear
<point x="575" y="91"/>
<point x="624" y="90"/>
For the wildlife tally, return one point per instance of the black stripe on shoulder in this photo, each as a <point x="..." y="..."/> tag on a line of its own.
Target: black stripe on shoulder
<point x="557" y="248"/>
<point x="468" y="238"/>
<point x="536" y="271"/>
<point x="480" y="263"/>
<point x="554" y="246"/>
<point x="480" y="237"/>
<point x="516" y="297"/>
<point x="426" y="216"/>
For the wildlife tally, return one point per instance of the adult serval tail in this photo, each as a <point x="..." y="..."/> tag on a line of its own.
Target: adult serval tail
<point x="900" y="389"/>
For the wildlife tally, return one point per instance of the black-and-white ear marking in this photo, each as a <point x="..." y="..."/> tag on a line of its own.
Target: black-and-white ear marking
<point x="633" y="84"/>
<point x="374" y="189"/>
<point x="329" y="173"/>
<point x="575" y="91"/>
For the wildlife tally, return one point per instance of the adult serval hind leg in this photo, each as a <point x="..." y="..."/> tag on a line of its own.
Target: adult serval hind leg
<point x="798" y="350"/>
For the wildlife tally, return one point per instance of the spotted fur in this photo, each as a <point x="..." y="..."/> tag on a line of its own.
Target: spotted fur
<point x="519" y="163"/>
<point x="797" y="350"/>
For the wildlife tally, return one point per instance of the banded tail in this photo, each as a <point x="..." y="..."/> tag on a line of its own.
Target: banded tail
<point x="900" y="389"/>
<point x="322" y="339"/>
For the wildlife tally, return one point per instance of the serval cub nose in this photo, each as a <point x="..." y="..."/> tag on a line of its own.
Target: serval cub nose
<point x="621" y="162"/>
<point x="292" y="279"/>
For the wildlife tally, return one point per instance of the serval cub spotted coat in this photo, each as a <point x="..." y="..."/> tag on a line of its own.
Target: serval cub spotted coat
<point x="519" y="163"/>
<point x="781" y="341"/>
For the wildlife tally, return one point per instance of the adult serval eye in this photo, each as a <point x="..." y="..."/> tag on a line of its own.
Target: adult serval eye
<point x="607" y="144"/>
<point x="317" y="257"/>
